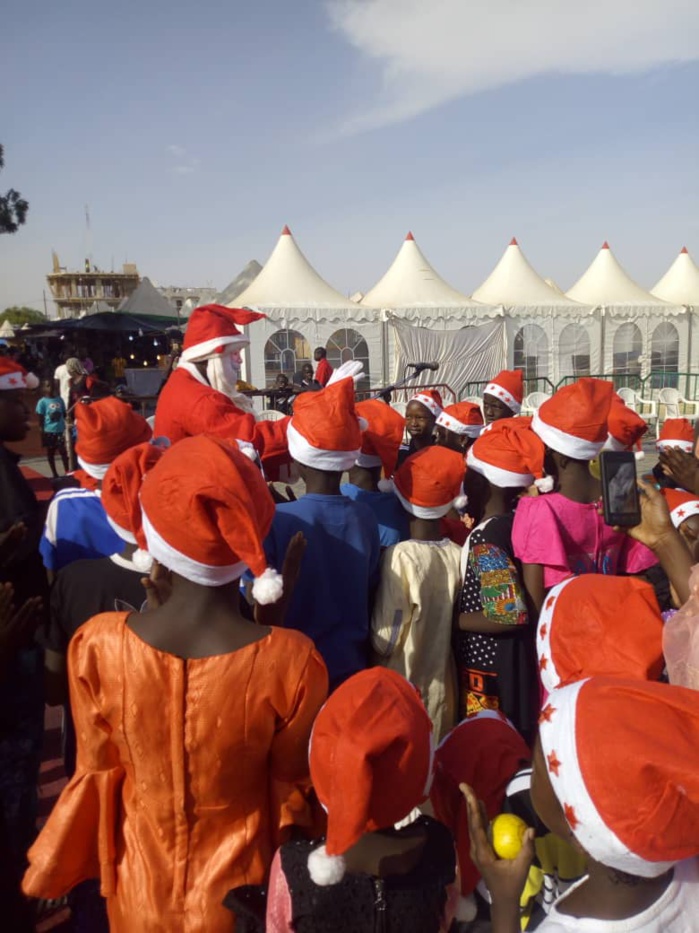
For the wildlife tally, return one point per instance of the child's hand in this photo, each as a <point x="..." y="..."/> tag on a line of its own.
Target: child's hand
<point x="656" y="524"/>
<point x="10" y="539"/>
<point x="158" y="586"/>
<point x="16" y="627"/>
<point x="682" y="467"/>
<point x="505" y="878"/>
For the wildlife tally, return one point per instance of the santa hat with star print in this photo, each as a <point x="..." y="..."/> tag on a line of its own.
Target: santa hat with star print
<point x="462" y="418"/>
<point x="509" y="454"/>
<point x="573" y="422"/>
<point x="682" y="505"/>
<point x="325" y="431"/>
<point x="508" y="387"/>
<point x="371" y="762"/>
<point x="430" y="482"/>
<point x="599" y="625"/>
<point x="626" y="428"/>
<point x="211" y="328"/>
<point x="206" y="511"/>
<point x="676" y="432"/>
<point x="120" y="497"/>
<point x="106" y="428"/>
<point x="382" y="437"/>
<point x="431" y="399"/>
<point x="623" y="760"/>
<point x="14" y="376"/>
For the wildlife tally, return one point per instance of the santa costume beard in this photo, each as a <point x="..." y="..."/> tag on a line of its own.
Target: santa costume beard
<point x="222" y="373"/>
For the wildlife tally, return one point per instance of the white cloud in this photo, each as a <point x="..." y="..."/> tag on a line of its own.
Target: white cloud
<point x="433" y="51"/>
<point x="177" y="151"/>
<point x="186" y="163"/>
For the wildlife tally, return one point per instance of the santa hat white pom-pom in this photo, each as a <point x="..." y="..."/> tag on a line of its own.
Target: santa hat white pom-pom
<point x="247" y="449"/>
<point x="325" y="869"/>
<point x="386" y="485"/>
<point x="142" y="561"/>
<point x="460" y="502"/>
<point x="268" y="587"/>
<point x="466" y="909"/>
<point x="545" y="484"/>
<point x="32" y="381"/>
<point x="639" y="455"/>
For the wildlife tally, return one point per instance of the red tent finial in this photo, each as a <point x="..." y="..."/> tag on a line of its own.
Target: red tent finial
<point x="513" y="241"/>
<point x="684" y="250"/>
<point x="605" y="245"/>
<point x="410" y="235"/>
<point x="286" y="231"/>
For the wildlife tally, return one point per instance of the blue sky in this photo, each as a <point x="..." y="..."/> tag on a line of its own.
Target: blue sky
<point x="195" y="131"/>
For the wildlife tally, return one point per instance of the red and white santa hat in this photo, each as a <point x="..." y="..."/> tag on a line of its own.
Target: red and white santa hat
<point x="574" y="420"/>
<point x="120" y="497"/>
<point x="431" y="399"/>
<point x="508" y="387"/>
<point x="626" y="428"/>
<point x="682" y="505"/>
<point x="206" y="512"/>
<point x="213" y="327"/>
<point x="430" y="482"/>
<point x="596" y="625"/>
<point x="325" y="432"/>
<point x="371" y="762"/>
<point x="676" y="432"/>
<point x="462" y="418"/>
<point x="510" y="454"/>
<point x="382" y="437"/>
<point x="106" y="428"/>
<point x="14" y="376"/>
<point x="623" y="760"/>
<point x="484" y="751"/>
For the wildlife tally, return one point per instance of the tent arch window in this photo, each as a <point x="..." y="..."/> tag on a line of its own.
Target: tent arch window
<point x="664" y="355"/>
<point x="348" y="344"/>
<point x="626" y="350"/>
<point x="285" y="352"/>
<point x="531" y="350"/>
<point x="574" y="351"/>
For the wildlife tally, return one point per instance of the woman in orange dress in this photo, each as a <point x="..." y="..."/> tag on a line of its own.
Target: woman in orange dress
<point x="189" y="718"/>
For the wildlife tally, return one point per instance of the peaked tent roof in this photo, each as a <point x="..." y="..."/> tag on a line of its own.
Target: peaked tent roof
<point x="288" y="280"/>
<point x="411" y="282"/>
<point x="606" y="283"/>
<point x="146" y="301"/>
<point x="242" y="280"/>
<point x="515" y="283"/>
<point x="680" y="284"/>
<point x="7" y="331"/>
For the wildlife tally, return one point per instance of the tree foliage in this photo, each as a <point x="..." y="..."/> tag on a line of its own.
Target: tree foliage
<point x="18" y="316"/>
<point x="13" y="207"/>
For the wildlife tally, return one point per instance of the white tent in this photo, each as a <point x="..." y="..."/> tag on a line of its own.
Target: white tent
<point x="6" y="331"/>
<point x="147" y="301"/>
<point x="515" y="283"/>
<point x="605" y="283"/>
<point x="680" y="284"/>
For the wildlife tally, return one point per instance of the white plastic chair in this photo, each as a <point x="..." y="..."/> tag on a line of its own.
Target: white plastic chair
<point x="269" y="414"/>
<point x="647" y="408"/>
<point x="533" y="402"/>
<point x="399" y="407"/>
<point x="676" y="406"/>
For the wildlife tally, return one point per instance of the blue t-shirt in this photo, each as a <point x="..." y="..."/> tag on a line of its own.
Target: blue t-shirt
<point x="338" y="573"/>
<point x="77" y="529"/>
<point x="53" y="413"/>
<point x="394" y="522"/>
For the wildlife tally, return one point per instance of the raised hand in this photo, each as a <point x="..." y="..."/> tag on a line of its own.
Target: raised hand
<point x="16" y="627"/>
<point x="682" y="467"/>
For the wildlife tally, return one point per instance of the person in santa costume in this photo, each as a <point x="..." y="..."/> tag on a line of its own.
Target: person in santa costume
<point x="626" y="797"/>
<point x="201" y="396"/>
<point x="458" y="426"/>
<point x="503" y="396"/>
<point x="160" y="808"/>
<point x="371" y="764"/>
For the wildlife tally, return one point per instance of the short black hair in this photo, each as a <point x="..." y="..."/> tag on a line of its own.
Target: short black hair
<point x="321" y="350"/>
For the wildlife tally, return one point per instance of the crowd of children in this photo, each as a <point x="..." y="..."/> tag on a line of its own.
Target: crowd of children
<point x="302" y="715"/>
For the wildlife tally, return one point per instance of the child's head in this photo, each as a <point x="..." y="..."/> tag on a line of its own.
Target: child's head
<point x="106" y="428"/>
<point x="370" y="760"/>
<point x="14" y="412"/>
<point x="573" y="422"/>
<point x="429" y="483"/>
<point x="616" y="769"/>
<point x="282" y="381"/>
<point x="626" y="428"/>
<point x="47" y="388"/>
<point x="206" y="511"/>
<point x="421" y="414"/>
<point x="502" y="397"/>
<point x="319" y="354"/>
<point x="307" y="371"/>
<point x="458" y="426"/>
<point x="324" y="433"/>
<point x="381" y="439"/>
<point x="684" y="513"/>
<point x="676" y="433"/>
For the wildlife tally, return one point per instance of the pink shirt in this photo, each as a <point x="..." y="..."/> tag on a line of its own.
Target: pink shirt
<point x="568" y="537"/>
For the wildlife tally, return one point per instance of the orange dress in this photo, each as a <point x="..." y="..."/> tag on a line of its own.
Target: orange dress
<point x="175" y="799"/>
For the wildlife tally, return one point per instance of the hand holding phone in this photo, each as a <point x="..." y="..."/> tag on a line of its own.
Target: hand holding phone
<point x="620" y="499"/>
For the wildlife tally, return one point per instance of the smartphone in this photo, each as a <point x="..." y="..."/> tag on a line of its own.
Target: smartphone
<point x="620" y="498"/>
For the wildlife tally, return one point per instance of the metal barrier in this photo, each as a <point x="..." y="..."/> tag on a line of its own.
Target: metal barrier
<point x="620" y="380"/>
<point x="648" y="386"/>
<point x="540" y="384"/>
<point x="405" y="393"/>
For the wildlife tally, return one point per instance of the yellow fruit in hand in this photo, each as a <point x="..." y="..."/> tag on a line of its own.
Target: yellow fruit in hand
<point x="507" y="834"/>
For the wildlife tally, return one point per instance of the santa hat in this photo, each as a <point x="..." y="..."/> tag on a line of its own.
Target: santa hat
<point x="14" y="376"/>
<point x="462" y="418"/>
<point x="106" y="428"/>
<point x="509" y="454"/>
<point x="120" y="491"/>
<point x="382" y="437"/>
<point x="484" y="751"/>
<point x="596" y="625"/>
<point x="623" y="760"/>
<point x="431" y="399"/>
<point x="676" y="432"/>
<point x="206" y="511"/>
<point x="626" y="428"/>
<point x="325" y="432"/>
<point x="682" y="505"/>
<point x="430" y="482"/>
<point x="574" y="420"/>
<point x="371" y="762"/>
<point x="508" y="387"/>
<point x="213" y="327"/>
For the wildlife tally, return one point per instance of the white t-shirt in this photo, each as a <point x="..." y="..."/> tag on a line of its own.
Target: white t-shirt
<point x="63" y="377"/>
<point x="677" y="911"/>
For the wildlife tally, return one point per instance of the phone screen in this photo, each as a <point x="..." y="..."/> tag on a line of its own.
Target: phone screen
<point x="619" y="488"/>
